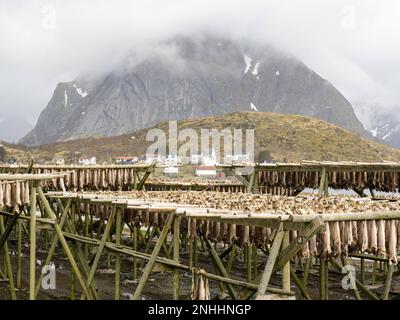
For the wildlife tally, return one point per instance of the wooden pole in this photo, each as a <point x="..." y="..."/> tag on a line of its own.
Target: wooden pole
<point x="362" y="267"/>
<point x="64" y="244"/>
<point x="220" y="266"/>
<point x="321" y="192"/>
<point x="154" y="254"/>
<point x="358" y="283"/>
<point x="19" y="246"/>
<point x="176" y="227"/>
<point x="32" y="240"/>
<point x="231" y="258"/>
<point x="255" y="261"/>
<point x="71" y="228"/>
<point x="248" y="261"/>
<point x="8" y="262"/>
<point x="191" y="244"/>
<point x="101" y="247"/>
<point x="269" y="267"/>
<point x="72" y="273"/>
<point x="53" y="246"/>
<point x="322" y="279"/>
<point x="286" y="268"/>
<point x="388" y="281"/>
<point x="118" y="232"/>
<point x="134" y="247"/>
<point x="307" y="268"/>
<point x="300" y="285"/>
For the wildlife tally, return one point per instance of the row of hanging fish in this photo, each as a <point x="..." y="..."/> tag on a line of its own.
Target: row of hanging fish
<point x="14" y="194"/>
<point x="94" y="179"/>
<point x="378" y="180"/>
<point x="381" y="237"/>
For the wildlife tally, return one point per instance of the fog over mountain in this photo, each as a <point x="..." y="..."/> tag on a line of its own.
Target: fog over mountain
<point x="352" y="43"/>
<point x="186" y="78"/>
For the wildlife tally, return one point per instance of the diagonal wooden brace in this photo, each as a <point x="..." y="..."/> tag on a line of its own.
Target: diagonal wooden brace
<point x="154" y="254"/>
<point x="295" y="246"/>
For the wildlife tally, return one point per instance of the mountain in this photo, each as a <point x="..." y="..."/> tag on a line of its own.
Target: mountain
<point x="184" y="78"/>
<point x="279" y="137"/>
<point x="14" y="128"/>
<point x="382" y="122"/>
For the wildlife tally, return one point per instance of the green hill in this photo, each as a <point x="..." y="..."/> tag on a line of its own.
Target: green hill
<point x="279" y="137"/>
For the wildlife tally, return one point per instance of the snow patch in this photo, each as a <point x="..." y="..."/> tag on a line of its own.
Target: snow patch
<point x="247" y="60"/>
<point x="255" y="70"/>
<point x="374" y="132"/>
<point x="82" y="93"/>
<point x="386" y="135"/>
<point x="65" y="99"/>
<point x="253" y="107"/>
<point x="277" y="73"/>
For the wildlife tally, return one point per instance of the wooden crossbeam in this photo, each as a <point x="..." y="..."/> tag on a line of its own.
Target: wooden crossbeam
<point x="295" y="246"/>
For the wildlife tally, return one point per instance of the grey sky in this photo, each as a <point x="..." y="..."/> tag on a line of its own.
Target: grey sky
<point x="354" y="44"/>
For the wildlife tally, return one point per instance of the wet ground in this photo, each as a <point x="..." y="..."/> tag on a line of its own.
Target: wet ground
<point x="159" y="285"/>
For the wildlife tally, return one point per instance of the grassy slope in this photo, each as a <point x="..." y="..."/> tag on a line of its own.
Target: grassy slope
<point x="286" y="137"/>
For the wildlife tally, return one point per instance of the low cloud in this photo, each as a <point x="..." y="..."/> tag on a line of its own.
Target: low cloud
<point x="354" y="44"/>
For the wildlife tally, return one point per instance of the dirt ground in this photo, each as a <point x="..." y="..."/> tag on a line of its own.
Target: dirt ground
<point x="159" y="285"/>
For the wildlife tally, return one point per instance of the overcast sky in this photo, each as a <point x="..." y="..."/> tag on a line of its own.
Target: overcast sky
<point x="353" y="44"/>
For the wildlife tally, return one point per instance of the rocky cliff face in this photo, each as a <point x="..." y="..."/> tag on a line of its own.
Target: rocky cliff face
<point x="382" y="121"/>
<point x="184" y="78"/>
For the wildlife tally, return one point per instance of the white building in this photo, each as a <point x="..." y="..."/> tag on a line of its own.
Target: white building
<point x="196" y="158"/>
<point x="206" y="171"/>
<point x="87" y="161"/>
<point x="59" y="161"/>
<point x="237" y="158"/>
<point x="171" y="160"/>
<point x="154" y="158"/>
<point x="210" y="160"/>
<point x="171" y="170"/>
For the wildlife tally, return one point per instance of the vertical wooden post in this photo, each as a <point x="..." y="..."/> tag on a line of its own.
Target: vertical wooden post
<point x="64" y="243"/>
<point x="286" y="268"/>
<point x="19" y="246"/>
<point x="323" y="266"/>
<point x="134" y="247"/>
<point x="118" y="231"/>
<point x="322" y="294"/>
<point x="135" y="178"/>
<point x="322" y="183"/>
<point x="72" y="277"/>
<point x="190" y="252"/>
<point x="255" y="261"/>
<point x="32" y="240"/>
<point x="195" y="248"/>
<point x="307" y="268"/>
<point x="362" y="267"/>
<point x="152" y="260"/>
<point x="7" y="261"/>
<point x="53" y="246"/>
<point x="373" y="276"/>
<point x="231" y="258"/>
<point x="177" y="222"/>
<point x="86" y="234"/>
<point x="248" y="251"/>
<point x="269" y="267"/>
<point x="388" y="281"/>
<point x="250" y="185"/>
<point x="72" y="273"/>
